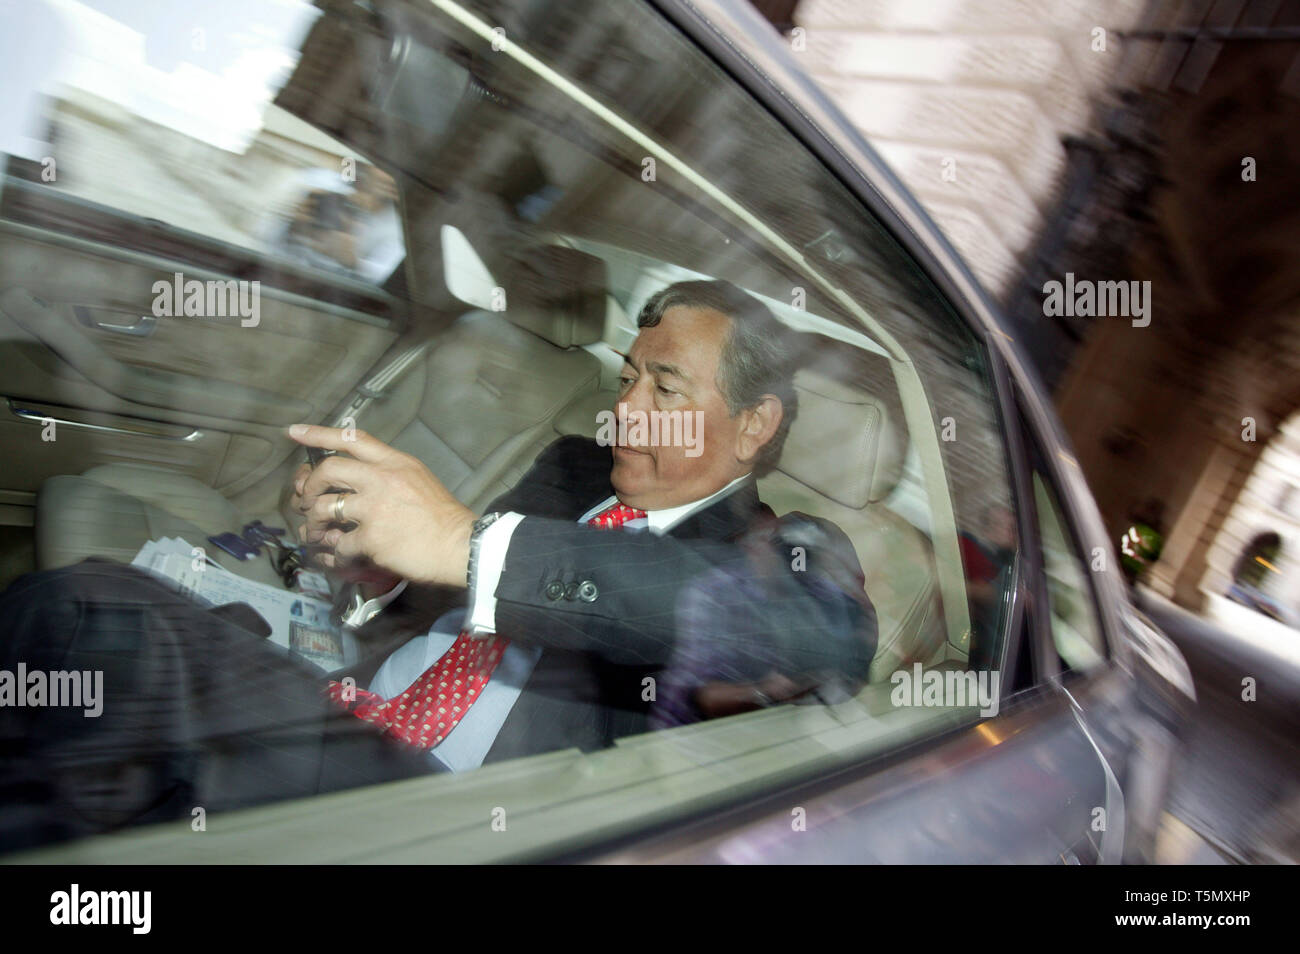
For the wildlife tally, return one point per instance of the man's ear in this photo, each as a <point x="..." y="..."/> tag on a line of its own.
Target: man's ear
<point x="758" y="425"/>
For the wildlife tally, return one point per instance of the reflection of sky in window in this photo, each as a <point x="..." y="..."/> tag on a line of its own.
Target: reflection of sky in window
<point x="205" y="69"/>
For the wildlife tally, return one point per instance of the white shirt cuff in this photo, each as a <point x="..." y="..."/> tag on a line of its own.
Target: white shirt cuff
<point x="493" y="546"/>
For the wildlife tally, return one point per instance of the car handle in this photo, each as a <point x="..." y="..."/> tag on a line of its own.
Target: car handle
<point x="141" y="329"/>
<point x="36" y="417"/>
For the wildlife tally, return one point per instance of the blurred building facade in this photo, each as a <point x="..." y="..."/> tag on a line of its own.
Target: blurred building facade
<point x="1114" y="140"/>
<point x="1259" y="544"/>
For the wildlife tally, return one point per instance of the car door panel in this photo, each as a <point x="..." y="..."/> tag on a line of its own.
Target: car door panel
<point x="53" y="324"/>
<point x="69" y="437"/>
<point x="80" y="344"/>
<point x="1138" y="722"/>
<point x="1021" y="787"/>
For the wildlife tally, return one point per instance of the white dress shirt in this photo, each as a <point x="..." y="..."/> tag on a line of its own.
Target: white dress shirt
<point x="466" y="745"/>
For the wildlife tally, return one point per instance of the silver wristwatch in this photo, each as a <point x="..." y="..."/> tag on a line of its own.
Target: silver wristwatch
<point x="475" y="544"/>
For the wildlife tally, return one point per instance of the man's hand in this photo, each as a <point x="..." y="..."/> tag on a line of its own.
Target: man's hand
<point x="374" y="580"/>
<point x="298" y="482"/>
<point x="718" y="699"/>
<point x="398" y="515"/>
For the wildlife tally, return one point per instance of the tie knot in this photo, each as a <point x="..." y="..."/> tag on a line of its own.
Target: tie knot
<point x="611" y="518"/>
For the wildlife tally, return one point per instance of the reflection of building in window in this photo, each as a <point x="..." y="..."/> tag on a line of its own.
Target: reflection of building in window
<point x="138" y="117"/>
<point x="331" y="223"/>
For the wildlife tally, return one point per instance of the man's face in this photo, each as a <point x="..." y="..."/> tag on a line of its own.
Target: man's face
<point x="674" y="367"/>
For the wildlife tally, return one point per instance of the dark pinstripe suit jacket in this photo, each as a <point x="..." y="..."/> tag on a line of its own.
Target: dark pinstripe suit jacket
<point x="589" y="685"/>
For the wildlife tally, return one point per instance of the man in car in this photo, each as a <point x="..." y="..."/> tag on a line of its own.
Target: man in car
<point x="581" y="585"/>
<point x="580" y="616"/>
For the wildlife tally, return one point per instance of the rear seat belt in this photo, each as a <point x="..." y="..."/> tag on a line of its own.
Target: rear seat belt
<point x="375" y="388"/>
<point x="350" y="608"/>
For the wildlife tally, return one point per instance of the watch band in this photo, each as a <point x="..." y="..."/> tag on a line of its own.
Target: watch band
<point x="475" y="544"/>
<point x="471" y="570"/>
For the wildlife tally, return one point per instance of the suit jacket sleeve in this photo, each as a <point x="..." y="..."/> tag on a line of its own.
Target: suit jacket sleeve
<point x="618" y="595"/>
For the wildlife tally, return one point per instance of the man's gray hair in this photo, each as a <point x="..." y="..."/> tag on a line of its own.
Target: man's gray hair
<point x="756" y="355"/>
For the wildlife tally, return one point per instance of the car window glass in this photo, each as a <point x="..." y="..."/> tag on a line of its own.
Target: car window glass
<point x="577" y="158"/>
<point x="1076" y="629"/>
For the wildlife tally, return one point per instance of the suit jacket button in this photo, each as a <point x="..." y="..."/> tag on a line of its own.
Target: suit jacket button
<point x="587" y="591"/>
<point x="571" y="591"/>
<point x="554" y="590"/>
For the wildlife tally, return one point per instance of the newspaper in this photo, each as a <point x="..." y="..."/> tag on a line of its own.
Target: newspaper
<point x="299" y="623"/>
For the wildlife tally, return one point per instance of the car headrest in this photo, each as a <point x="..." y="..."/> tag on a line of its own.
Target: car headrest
<point x="557" y="293"/>
<point x="843" y="443"/>
<point x="580" y="415"/>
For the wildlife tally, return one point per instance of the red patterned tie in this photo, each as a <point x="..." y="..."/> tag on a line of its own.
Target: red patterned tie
<point x="435" y="703"/>
<point x="611" y="518"/>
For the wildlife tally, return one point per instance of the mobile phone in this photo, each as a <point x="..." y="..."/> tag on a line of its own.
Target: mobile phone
<point x="233" y="544"/>
<point x="317" y="454"/>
